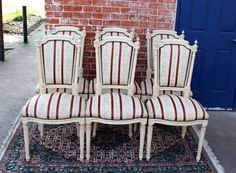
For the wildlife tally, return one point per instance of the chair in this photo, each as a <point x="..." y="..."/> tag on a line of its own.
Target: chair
<point x="116" y="59"/>
<point x="116" y="32"/>
<point x="173" y="67"/>
<point x="76" y="33"/>
<point x="58" y="68"/>
<point x="152" y="38"/>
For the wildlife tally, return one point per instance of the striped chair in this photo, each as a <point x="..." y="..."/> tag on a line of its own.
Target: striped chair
<point x="58" y="64"/>
<point x="116" y="32"/>
<point x="173" y="67"/>
<point x="116" y="59"/>
<point x="152" y="38"/>
<point x="79" y="35"/>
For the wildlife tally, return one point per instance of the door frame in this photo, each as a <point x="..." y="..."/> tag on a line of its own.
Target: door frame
<point x="177" y="18"/>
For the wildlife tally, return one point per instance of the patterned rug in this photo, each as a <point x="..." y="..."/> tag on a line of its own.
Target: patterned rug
<point x="111" y="151"/>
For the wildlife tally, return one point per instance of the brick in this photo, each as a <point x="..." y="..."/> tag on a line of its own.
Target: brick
<point x="137" y="14"/>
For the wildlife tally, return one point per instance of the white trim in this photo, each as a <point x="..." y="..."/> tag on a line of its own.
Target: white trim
<point x="210" y="153"/>
<point x="11" y="134"/>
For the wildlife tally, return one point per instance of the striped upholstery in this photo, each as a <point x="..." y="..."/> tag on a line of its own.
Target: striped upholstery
<point x="92" y="83"/>
<point x="82" y="83"/>
<point x="174" y="63"/>
<point x="54" y="106"/>
<point x="157" y="38"/>
<point x="115" y="106"/>
<point x="175" y="108"/>
<point x="147" y="89"/>
<point x="116" y="63"/>
<point x="58" y="61"/>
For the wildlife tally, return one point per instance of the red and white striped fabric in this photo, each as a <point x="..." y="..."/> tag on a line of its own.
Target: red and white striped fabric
<point x="176" y="108"/>
<point x="92" y="84"/>
<point x="157" y="38"/>
<point x="147" y="89"/>
<point x="115" y="106"/>
<point x="116" y="63"/>
<point x="54" y="106"/>
<point x="174" y="64"/>
<point x="82" y="86"/>
<point x="58" y="61"/>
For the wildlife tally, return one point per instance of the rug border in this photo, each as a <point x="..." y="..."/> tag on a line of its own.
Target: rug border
<point x="206" y="146"/>
<point x="215" y="161"/>
<point x="10" y="135"/>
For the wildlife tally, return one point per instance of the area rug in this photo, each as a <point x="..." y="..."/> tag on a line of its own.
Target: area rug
<point x="111" y="151"/>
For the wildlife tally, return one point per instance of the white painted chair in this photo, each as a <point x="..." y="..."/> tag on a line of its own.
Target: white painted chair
<point x="173" y="67"/>
<point x="153" y="38"/>
<point x="116" y="32"/>
<point x="78" y="35"/>
<point x="116" y="59"/>
<point x="58" y="68"/>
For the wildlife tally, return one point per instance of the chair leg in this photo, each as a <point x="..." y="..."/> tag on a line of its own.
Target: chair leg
<point x="201" y="140"/>
<point x="141" y="144"/>
<point x="41" y="129"/>
<point x="130" y="130"/>
<point x="149" y="141"/>
<point x="78" y="129"/>
<point x="95" y="126"/>
<point x="81" y="127"/>
<point x="26" y="140"/>
<point x="184" y="129"/>
<point x="135" y="127"/>
<point x="88" y="139"/>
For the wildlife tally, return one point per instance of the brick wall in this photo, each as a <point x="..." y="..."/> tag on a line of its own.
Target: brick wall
<point x="137" y="14"/>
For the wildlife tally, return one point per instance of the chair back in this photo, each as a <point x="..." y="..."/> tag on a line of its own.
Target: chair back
<point x="155" y="37"/>
<point x="114" y="31"/>
<point x="173" y="66"/>
<point x="58" y="62"/>
<point x="76" y="33"/>
<point x="116" y="59"/>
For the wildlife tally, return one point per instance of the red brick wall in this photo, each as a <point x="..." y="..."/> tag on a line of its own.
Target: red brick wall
<point x="137" y="14"/>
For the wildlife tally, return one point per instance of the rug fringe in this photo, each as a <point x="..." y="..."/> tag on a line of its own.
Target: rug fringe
<point x="210" y="153"/>
<point x="11" y="134"/>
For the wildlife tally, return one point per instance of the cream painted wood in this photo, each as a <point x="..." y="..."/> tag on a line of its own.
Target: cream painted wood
<point x="157" y="88"/>
<point x="43" y="85"/>
<point x="114" y="31"/>
<point x="100" y="86"/>
<point x="76" y="33"/>
<point x="156" y="36"/>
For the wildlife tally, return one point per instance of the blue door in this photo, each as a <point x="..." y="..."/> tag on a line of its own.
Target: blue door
<point x="213" y="24"/>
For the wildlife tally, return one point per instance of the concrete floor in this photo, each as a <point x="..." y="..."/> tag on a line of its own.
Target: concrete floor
<point x="18" y="79"/>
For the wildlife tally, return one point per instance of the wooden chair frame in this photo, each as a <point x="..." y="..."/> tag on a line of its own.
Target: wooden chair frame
<point x="129" y="87"/>
<point x="150" y="51"/>
<point x="80" y="122"/>
<point x="111" y="30"/>
<point x="187" y="93"/>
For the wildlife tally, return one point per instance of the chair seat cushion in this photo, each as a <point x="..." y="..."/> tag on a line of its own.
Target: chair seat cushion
<point x="175" y="108"/>
<point x="147" y="89"/>
<point x="54" y="106"/>
<point x="82" y="86"/>
<point x="115" y="106"/>
<point x="92" y="83"/>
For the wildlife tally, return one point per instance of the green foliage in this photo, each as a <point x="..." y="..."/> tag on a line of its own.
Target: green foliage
<point x="18" y="18"/>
